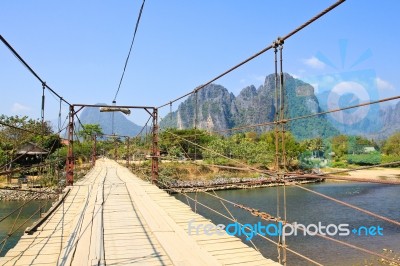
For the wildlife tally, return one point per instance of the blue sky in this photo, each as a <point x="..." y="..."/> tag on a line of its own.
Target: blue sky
<point x="79" y="48"/>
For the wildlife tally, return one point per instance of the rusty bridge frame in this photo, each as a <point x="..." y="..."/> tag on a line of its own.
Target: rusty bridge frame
<point x="155" y="152"/>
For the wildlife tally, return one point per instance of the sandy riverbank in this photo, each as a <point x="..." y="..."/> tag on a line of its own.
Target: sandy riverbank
<point x="378" y="173"/>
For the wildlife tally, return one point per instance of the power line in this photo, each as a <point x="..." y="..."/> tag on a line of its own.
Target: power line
<point x="130" y="49"/>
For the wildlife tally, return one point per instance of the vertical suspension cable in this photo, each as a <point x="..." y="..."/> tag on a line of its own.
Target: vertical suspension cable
<point x="42" y="126"/>
<point x="58" y="148"/>
<point x="42" y="118"/>
<point x="42" y="109"/>
<point x="59" y="116"/>
<point x="277" y="158"/>
<point x="282" y="107"/>
<point x="276" y="109"/>
<point x="112" y="119"/>
<point x="282" y="117"/>
<point x="195" y="140"/>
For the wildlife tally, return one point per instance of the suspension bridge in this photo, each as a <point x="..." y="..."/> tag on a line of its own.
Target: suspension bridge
<point x="110" y="216"/>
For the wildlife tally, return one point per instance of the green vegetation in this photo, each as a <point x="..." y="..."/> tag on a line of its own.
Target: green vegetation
<point x="392" y="145"/>
<point x="17" y="131"/>
<point x="364" y="159"/>
<point x="250" y="148"/>
<point x="11" y="138"/>
<point x="256" y="149"/>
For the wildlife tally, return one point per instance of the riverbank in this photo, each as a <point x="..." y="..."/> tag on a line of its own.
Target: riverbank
<point x="190" y="177"/>
<point x="177" y="186"/>
<point x="23" y="195"/>
<point x="377" y="173"/>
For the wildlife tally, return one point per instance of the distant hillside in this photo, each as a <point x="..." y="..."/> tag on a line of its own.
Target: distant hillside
<point x="122" y="125"/>
<point x="376" y="121"/>
<point x="218" y="109"/>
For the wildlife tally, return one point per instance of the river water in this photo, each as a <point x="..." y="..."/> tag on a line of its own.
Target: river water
<point x="28" y="210"/>
<point x="307" y="208"/>
<point x="302" y="207"/>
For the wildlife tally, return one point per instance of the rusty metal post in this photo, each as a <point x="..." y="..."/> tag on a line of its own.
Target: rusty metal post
<point x="128" y="155"/>
<point x="155" y="152"/>
<point x="282" y="106"/>
<point x="283" y="142"/>
<point x="276" y="118"/>
<point x="70" y="154"/>
<point x="94" y="150"/>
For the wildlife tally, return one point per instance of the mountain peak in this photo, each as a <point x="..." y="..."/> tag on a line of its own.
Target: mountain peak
<point x="217" y="109"/>
<point x="122" y="125"/>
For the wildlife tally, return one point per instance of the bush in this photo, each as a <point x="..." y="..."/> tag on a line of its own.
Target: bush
<point x="339" y="164"/>
<point x="364" y="159"/>
<point x="391" y="158"/>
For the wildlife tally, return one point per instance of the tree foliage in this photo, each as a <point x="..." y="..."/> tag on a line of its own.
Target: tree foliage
<point x="392" y="145"/>
<point x="12" y="137"/>
<point x="179" y="143"/>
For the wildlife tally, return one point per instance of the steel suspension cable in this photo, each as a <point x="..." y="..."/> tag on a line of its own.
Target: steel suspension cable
<point x="319" y="15"/>
<point x="226" y="157"/>
<point x="231" y="215"/>
<point x="130" y="49"/>
<point x="344" y="243"/>
<point x="29" y="68"/>
<point x="16" y="158"/>
<point x="19" y="128"/>
<point x="322" y="236"/>
<point x="326" y="175"/>
<point x="303" y="117"/>
<point x="349" y="205"/>
<point x="16" y="209"/>
<point x="145" y="126"/>
<point x="4" y="240"/>
<point x="283" y="141"/>
<point x="262" y="236"/>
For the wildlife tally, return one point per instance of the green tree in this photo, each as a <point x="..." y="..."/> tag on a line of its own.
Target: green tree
<point x="89" y="130"/>
<point x="392" y="145"/>
<point x="339" y="145"/>
<point x="11" y="137"/>
<point x="172" y="140"/>
<point x="317" y="147"/>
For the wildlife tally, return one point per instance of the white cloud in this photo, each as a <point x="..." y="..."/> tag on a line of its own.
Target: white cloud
<point x="17" y="108"/>
<point x="383" y="84"/>
<point x="314" y="62"/>
<point x="242" y="81"/>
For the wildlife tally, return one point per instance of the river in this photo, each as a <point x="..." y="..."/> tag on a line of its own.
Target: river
<point x="28" y="210"/>
<point x="302" y="207"/>
<point x="307" y="208"/>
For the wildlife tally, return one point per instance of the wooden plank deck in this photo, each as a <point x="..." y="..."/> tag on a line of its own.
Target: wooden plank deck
<point x="111" y="217"/>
